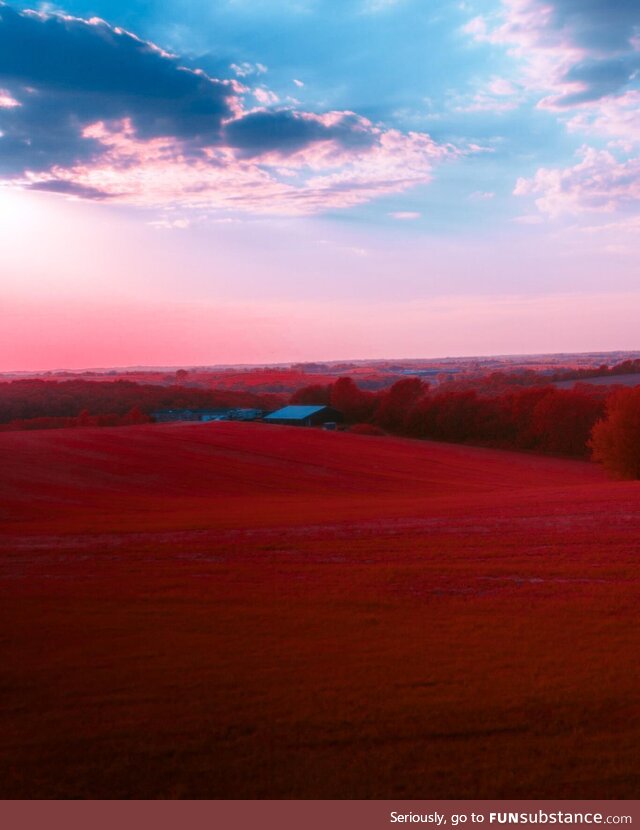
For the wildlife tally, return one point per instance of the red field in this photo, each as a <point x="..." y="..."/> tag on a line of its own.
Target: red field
<point x="241" y="611"/>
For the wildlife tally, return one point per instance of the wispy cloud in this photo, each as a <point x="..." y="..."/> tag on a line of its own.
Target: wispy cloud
<point x="246" y="69"/>
<point x="375" y="6"/>
<point x="496" y="95"/>
<point x="405" y="215"/>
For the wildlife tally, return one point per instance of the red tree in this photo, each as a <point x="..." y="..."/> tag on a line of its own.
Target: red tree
<point x="355" y="404"/>
<point x="397" y="402"/>
<point x="562" y="421"/>
<point x="315" y="394"/>
<point x="615" y="440"/>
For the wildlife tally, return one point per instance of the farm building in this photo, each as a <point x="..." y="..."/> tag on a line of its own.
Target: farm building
<point x="167" y="415"/>
<point x="245" y="415"/>
<point x="304" y="416"/>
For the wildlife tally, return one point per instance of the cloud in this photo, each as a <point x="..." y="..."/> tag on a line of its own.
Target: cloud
<point x="615" y="118"/>
<point x="91" y="110"/>
<point x="581" y="60"/>
<point x="317" y="176"/>
<point x="7" y="101"/>
<point x="69" y="188"/>
<point x="245" y="69"/>
<point x="286" y="131"/>
<point x="528" y="219"/>
<point x="405" y="215"/>
<point x="498" y="95"/>
<point x="375" y="6"/>
<point x="575" y="51"/>
<point x="597" y="183"/>
<point x="66" y="73"/>
<point x="265" y="97"/>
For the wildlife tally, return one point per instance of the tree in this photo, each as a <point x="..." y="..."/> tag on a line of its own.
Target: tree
<point x="562" y="421"/>
<point x="311" y="395"/>
<point x="355" y="404"/>
<point x="396" y="403"/>
<point x="135" y="416"/>
<point x="181" y="376"/>
<point x="615" y="440"/>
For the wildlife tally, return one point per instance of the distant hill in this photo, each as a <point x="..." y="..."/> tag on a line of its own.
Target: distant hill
<point x="602" y="380"/>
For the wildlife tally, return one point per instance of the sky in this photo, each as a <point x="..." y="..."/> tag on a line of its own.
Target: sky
<point x="205" y="182"/>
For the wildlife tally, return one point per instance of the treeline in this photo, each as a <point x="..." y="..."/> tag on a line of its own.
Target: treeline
<point x="541" y="418"/>
<point x="627" y="367"/>
<point x="84" y="419"/>
<point x="25" y="400"/>
<point x="503" y="380"/>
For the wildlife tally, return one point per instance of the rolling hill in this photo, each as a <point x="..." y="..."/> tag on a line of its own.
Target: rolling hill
<point x="243" y="611"/>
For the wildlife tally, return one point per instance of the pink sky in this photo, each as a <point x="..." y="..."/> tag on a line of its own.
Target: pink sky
<point x="205" y="333"/>
<point x="100" y="288"/>
<point x="289" y="197"/>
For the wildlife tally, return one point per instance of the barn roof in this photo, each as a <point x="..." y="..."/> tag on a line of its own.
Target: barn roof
<point x="296" y="413"/>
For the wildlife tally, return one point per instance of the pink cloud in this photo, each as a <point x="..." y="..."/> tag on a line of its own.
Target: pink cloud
<point x="324" y="175"/>
<point x="7" y="101"/>
<point x="525" y="28"/>
<point x="564" y="49"/>
<point x="498" y="95"/>
<point x="597" y="183"/>
<point x="405" y="215"/>
<point x="615" y="118"/>
<point x="245" y="69"/>
<point x="264" y="96"/>
<point x="578" y="61"/>
<point x="502" y="86"/>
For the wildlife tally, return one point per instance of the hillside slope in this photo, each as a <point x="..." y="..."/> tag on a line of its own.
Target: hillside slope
<point x="195" y="471"/>
<point x="243" y="611"/>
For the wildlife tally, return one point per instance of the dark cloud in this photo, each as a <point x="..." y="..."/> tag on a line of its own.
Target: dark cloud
<point x="70" y="189"/>
<point x="599" y="78"/>
<point x="67" y="73"/>
<point x="604" y="31"/>
<point x="287" y="132"/>
<point x="606" y="25"/>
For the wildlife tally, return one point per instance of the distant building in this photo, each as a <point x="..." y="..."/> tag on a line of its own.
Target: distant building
<point x="212" y="414"/>
<point x="304" y="416"/>
<point x="244" y="415"/>
<point x="164" y="416"/>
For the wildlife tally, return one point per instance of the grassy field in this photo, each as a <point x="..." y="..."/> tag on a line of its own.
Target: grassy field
<point x="241" y="611"/>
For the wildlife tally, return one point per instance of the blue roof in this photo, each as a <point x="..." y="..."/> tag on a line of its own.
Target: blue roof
<point x="296" y="413"/>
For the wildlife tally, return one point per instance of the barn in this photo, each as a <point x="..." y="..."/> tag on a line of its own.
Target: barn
<point x="304" y="416"/>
